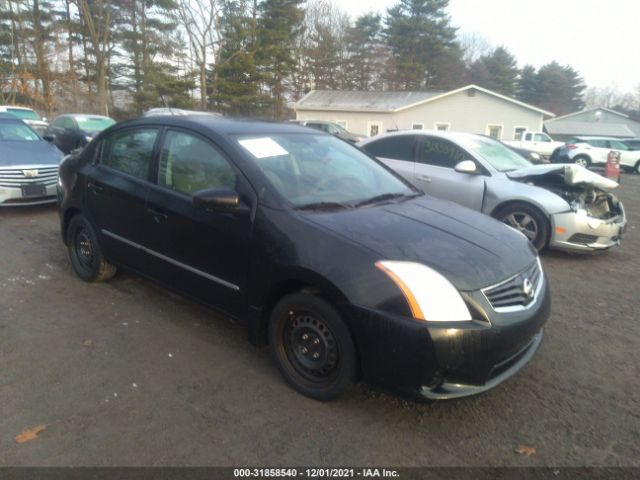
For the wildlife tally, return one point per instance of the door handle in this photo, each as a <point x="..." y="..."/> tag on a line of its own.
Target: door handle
<point x="95" y="187"/>
<point x="158" y="216"/>
<point x="424" y="178"/>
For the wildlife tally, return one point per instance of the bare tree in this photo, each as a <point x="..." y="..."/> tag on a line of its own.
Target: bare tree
<point x="201" y="21"/>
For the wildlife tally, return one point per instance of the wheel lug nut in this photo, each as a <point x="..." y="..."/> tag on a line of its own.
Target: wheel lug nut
<point x="316" y="355"/>
<point x="316" y="341"/>
<point x="305" y="336"/>
<point x="304" y="350"/>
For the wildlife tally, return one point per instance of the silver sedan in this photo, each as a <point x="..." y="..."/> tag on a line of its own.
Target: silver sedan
<point x="565" y="207"/>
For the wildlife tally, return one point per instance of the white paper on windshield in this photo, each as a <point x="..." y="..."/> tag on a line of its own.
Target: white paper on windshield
<point x="263" y="147"/>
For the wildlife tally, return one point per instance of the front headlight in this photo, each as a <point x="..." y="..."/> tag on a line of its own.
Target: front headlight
<point x="88" y="138"/>
<point x="429" y="295"/>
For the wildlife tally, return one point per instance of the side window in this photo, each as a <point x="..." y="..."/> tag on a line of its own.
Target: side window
<point x="400" y="147"/>
<point x="189" y="164"/>
<point x="441" y="153"/>
<point x="618" y="145"/>
<point x="67" y="122"/>
<point x="59" y="122"/>
<point x="527" y="137"/>
<point x="541" y="137"/>
<point x="597" y="143"/>
<point x="130" y="151"/>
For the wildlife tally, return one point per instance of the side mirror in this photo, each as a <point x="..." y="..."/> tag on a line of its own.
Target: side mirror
<point x="49" y="137"/>
<point x="466" y="166"/>
<point x="219" y="200"/>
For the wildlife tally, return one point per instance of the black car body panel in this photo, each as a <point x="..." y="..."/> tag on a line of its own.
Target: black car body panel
<point x="242" y="262"/>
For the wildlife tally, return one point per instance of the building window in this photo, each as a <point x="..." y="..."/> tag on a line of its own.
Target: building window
<point x="441" y="126"/>
<point x="417" y="126"/>
<point x="374" y="128"/>
<point x="495" y="131"/>
<point x="343" y="123"/>
<point x="518" y="132"/>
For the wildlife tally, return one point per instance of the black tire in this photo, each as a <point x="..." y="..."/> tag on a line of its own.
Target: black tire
<point x="580" y="159"/>
<point x="312" y="346"/>
<point x="528" y="220"/>
<point x="637" y="167"/>
<point x="85" y="252"/>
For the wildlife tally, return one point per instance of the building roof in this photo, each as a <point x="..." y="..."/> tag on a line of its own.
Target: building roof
<point x="388" y="102"/>
<point x="588" y="110"/>
<point x="588" y="128"/>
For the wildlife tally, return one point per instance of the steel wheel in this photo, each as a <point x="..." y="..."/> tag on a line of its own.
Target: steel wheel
<point x="312" y="346"/>
<point x="85" y="252"/>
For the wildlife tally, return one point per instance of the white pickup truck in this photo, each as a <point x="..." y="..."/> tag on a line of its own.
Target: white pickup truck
<point x="538" y="142"/>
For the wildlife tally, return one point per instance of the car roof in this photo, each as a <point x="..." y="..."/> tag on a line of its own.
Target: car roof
<point x="221" y="124"/>
<point x="16" y="107"/>
<point x="594" y="137"/>
<point x="452" y="136"/>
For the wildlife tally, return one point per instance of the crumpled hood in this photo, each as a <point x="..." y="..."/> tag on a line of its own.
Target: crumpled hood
<point x="573" y="175"/>
<point x="470" y="249"/>
<point x="38" y="152"/>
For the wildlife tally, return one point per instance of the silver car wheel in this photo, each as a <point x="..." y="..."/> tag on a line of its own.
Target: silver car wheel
<point x="582" y="162"/>
<point x="524" y="223"/>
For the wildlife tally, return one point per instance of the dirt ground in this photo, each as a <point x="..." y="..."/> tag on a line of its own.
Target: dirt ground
<point x="126" y="373"/>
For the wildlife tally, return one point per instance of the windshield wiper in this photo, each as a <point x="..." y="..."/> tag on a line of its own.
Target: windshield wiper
<point x="323" y="206"/>
<point x="384" y="197"/>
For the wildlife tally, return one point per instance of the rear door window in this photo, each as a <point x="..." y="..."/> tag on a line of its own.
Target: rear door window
<point x="399" y="147"/>
<point x="130" y="151"/>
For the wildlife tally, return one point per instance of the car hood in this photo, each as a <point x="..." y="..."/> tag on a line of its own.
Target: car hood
<point x="571" y="173"/>
<point x="470" y="249"/>
<point x="29" y="153"/>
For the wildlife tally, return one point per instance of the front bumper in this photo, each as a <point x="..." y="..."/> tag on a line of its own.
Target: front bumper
<point x="10" y="196"/>
<point x="443" y="360"/>
<point x="573" y="232"/>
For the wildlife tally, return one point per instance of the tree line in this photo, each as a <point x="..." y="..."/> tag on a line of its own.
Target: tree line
<point x="247" y="57"/>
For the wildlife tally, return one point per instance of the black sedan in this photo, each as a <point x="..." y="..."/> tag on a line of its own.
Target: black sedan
<point x="28" y="164"/>
<point x="337" y="263"/>
<point x="72" y="131"/>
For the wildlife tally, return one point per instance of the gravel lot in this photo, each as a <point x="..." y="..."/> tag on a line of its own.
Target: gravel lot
<point x="126" y="373"/>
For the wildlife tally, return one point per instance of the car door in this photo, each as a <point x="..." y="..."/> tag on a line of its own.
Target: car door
<point x="397" y="151"/>
<point x="435" y="173"/>
<point x="116" y="186"/>
<point x="598" y="150"/>
<point x="205" y="253"/>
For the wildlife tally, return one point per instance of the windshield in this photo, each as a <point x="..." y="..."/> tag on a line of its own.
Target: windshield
<point x="17" y="131"/>
<point x="23" y="113"/>
<point x="496" y="154"/>
<point x="311" y="170"/>
<point x="94" y="124"/>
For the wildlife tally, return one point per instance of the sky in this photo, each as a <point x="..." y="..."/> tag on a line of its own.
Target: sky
<point x="598" y="38"/>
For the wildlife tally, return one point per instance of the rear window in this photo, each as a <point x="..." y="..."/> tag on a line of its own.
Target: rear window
<point x="94" y="124"/>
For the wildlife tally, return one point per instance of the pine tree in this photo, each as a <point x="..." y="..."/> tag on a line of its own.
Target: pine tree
<point x="561" y="89"/>
<point x="528" y="89"/>
<point x="279" y="23"/>
<point x="367" y="53"/>
<point x="423" y="43"/>
<point x="496" y="71"/>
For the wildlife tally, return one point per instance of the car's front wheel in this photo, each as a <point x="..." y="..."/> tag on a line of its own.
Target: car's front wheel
<point x="528" y="220"/>
<point x="312" y="346"/>
<point x="85" y="252"/>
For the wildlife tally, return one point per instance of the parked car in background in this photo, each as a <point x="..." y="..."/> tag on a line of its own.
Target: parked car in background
<point x="156" y="112"/>
<point x="28" y="116"/>
<point x="75" y="130"/>
<point x="28" y="164"/>
<point x="533" y="157"/>
<point x="632" y="143"/>
<point x="591" y="150"/>
<point x="561" y="206"/>
<point x="538" y="142"/>
<point x="343" y="267"/>
<point x="331" y="128"/>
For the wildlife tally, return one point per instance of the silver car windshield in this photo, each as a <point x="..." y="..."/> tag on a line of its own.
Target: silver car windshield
<point x="496" y="154"/>
<point x="318" y="171"/>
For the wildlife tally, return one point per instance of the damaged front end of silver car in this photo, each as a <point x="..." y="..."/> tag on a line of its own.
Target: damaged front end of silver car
<point x="596" y="220"/>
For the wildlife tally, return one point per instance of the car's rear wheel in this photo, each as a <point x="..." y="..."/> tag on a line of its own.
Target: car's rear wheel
<point x="637" y="167"/>
<point x="528" y="220"/>
<point x="312" y="346"/>
<point x="85" y="252"/>
<point x="582" y="160"/>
